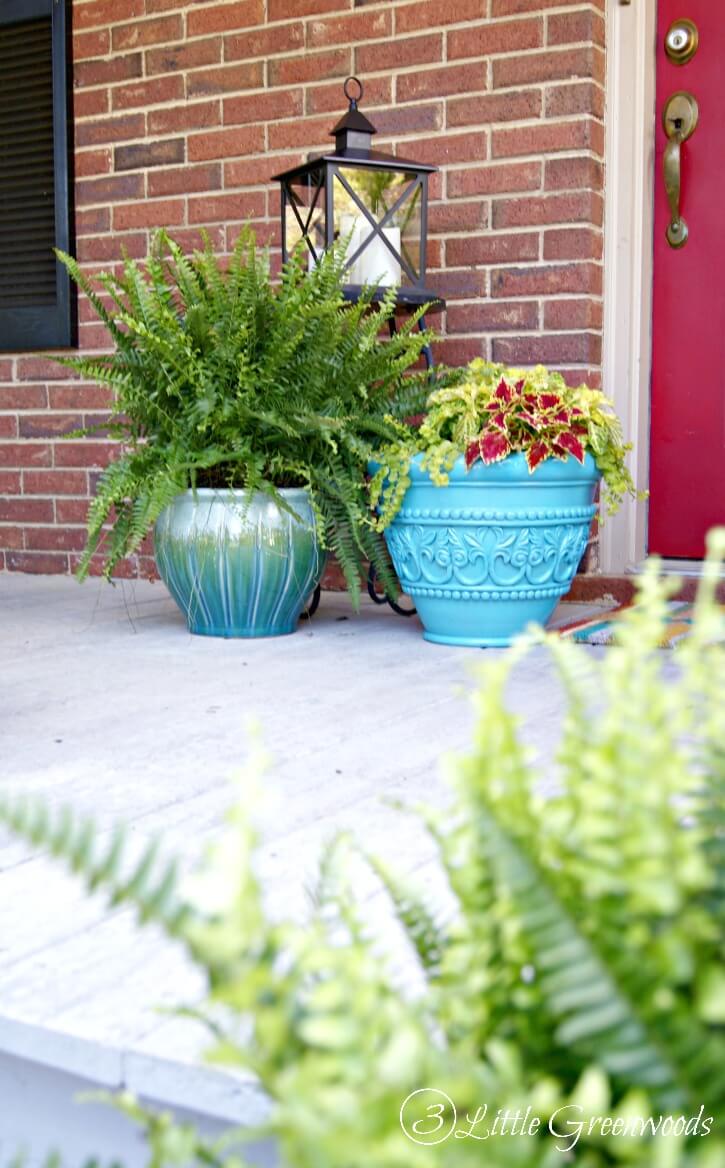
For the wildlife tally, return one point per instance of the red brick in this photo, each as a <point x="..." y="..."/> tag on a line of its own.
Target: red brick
<point x="288" y="9"/>
<point x="42" y="369"/>
<point x="262" y="107"/>
<point x="576" y="173"/>
<point x="260" y="43"/>
<point x="48" y="425"/>
<point x="152" y="213"/>
<point x="485" y="317"/>
<point x="573" y="243"/>
<point x="486" y="180"/>
<point x="39" y="563"/>
<point x="222" y="208"/>
<point x="571" y="27"/>
<point x="13" y="454"/>
<point x="556" y="65"/>
<point x="399" y="53"/>
<point x="440" y="82"/>
<point x="26" y="510"/>
<point x="110" y="130"/>
<point x="79" y="397"/>
<point x="71" y="510"/>
<point x="87" y="45"/>
<point x="105" y="12"/>
<point x="8" y="426"/>
<point x="10" y="481"/>
<point x="85" y="453"/>
<point x="329" y="97"/>
<point x="140" y="33"/>
<point x="11" y="537"/>
<point x="456" y="283"/>
<point x="485" y="40"/>
<point x="513" y="7"/>
<point x="579" y="348"/>
<point x="356" y="26"/>
<point x="227" y="79"/>
<point x="445" y="217"/>
<point x="546" y="281"/>
<point x="92" y="162"/>
<point x="55" y="482"/>
<point x="252" y="172"/>
<point x="411" y="119"/>
<point x="23" y="397"/>
<point x="189" y="116"/>
<point x="573" y="314"/>
<point x="188" y="55"/>
<point x="226" y="143"/>
<point x="283" y="135"/>
<point x="153" y="92"/>
<point x="190" y="239"/>
<point x="310" y="67"/>
<point x="431" y="13"/>
<point x="450" y="148"/>
<point x="95" y="336"/>
<point x="582" y="97"/>
<point x="488" y="108"/>
<point x="53" y="539"/>
<point x="142" y="155"/>
<point x="185" y="179"/>
<point x="109" y="190"/>
<point x="576" y="207"/>
<point x="6" y="369"/>
<point x="108" y="248"/>
<point x="225" y="17"/>
<point x="459" y="350"/>
<point x="90" y="73"/>
<point x="548" y="138"/>
<point x="493" y="249"/>
<point x="89" y="103"/>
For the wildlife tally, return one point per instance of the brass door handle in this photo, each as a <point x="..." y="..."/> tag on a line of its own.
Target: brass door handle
<point x="679" y="119"/>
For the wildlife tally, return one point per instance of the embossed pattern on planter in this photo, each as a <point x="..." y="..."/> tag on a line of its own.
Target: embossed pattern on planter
<point x="488" y="557"/>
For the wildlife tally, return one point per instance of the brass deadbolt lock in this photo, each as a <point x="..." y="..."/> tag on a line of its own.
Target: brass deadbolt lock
<point x="681" y="41"/>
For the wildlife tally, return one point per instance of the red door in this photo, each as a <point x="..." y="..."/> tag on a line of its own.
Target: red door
<point x="687" y="456"/>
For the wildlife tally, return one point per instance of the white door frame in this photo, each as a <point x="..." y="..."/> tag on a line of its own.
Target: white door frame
<point x="628" y="228"/>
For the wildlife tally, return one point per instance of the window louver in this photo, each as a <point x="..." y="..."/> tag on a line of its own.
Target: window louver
<point x="34" y="294"/>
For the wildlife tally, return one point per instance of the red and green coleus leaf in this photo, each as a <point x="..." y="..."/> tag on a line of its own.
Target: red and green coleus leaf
<point x="571" y="444"/>
<point x="491" y="446"/>
<point x="536" y="453"/>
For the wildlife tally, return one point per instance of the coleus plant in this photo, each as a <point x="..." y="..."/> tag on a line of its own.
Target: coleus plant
<point x="539" y="424"/>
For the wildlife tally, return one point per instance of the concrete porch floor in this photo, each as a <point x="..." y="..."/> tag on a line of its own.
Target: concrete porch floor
<point x="107" y="703"/>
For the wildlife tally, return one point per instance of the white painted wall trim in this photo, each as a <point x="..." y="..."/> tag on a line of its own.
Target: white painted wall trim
<point x="628" y="234"/>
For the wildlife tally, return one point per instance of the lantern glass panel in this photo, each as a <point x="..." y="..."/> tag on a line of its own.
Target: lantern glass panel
<point x="305" y="215"/>
<point x="393" y="259"/>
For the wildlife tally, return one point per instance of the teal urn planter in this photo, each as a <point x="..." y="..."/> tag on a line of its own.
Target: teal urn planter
<point x="239" y="566"/>
<point x="495" y="549"/>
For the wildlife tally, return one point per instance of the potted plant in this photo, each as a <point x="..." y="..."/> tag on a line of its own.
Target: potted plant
<point x="247" y="413"/>
<point x="487" y="506"/>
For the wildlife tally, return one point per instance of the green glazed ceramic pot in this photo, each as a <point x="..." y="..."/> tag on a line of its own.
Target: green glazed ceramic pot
<point x="236" y="564"/>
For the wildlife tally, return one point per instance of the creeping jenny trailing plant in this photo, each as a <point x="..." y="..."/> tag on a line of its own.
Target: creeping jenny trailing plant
<point x="223" y="378"/>
<point x="490" y="412"/>
<point x="579" y="972"/>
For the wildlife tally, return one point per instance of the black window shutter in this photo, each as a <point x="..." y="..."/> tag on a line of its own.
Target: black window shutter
<point x="35" y="294"/>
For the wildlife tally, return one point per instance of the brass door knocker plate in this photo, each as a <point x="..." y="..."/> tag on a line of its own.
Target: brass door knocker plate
<point x="681" y="41"/>
<point x="679" y="119"/>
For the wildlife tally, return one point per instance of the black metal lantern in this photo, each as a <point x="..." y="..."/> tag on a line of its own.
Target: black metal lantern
<point x="378" y="202"/>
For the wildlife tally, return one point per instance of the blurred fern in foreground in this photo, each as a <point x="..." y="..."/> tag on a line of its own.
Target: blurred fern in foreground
<point x="582" y="969"/>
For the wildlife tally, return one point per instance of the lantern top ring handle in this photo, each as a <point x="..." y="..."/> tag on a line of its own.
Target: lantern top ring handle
<point x="353" y="99"/>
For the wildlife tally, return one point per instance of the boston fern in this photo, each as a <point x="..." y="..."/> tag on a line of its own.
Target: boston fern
<point x="577" y="970"/>
<point x="223" y="378"/>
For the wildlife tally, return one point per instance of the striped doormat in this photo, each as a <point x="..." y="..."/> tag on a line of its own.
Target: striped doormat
<point x="602" y="630"/>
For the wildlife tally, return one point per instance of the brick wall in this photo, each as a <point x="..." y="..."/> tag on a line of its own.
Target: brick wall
<point x="184" y="108"/>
